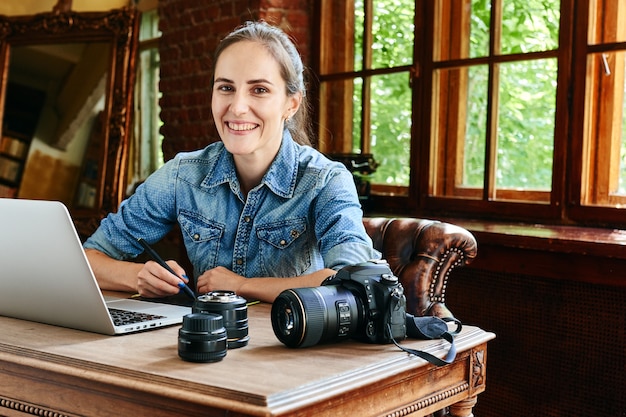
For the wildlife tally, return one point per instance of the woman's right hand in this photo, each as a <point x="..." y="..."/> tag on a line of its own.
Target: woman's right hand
<point x="155" y="281"/>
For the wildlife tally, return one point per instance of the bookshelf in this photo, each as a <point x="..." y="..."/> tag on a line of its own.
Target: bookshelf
<point x="22" y="110"/>
<point x="13" y="151"/>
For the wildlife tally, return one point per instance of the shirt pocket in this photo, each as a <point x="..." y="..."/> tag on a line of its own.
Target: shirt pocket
<point x="202" y="240"/>
<point x="285" y="248"/>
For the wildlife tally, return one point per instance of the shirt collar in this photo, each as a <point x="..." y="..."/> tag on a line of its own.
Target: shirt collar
<point x="280" y="177"/>
<point x="282" y="174"/>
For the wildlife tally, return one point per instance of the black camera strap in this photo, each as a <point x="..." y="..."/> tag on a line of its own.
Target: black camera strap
<point x="429" y="328"/>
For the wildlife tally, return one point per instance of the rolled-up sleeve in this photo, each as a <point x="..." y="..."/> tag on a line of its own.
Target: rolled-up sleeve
<point x="339" y="225"/>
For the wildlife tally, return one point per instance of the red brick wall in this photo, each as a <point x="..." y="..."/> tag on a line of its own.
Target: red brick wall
<point x="191" y="30"/>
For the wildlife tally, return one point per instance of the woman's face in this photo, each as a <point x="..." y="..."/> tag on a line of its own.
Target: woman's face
<point x="250" y="102"/>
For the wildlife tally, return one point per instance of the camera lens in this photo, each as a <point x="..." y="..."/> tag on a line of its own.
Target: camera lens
<point x="303" y="317"/>
<point x="234" y="311"/>
<point x="202" y="338"/>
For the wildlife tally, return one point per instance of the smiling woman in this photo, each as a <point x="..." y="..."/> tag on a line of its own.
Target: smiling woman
<point x="260" y="204"/>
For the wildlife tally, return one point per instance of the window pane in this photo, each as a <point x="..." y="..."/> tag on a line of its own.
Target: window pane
<point x="459" y="131"/>
<point x="149" y="28"/>
<point x="356" y="117"/>
<point x="149" y="109"/>
<point x="479" y="31"/>
<point x="605" y="125"/>
<point x="391" y="128"/>
<point x="146" y="153"/>
<point x="476" y="125"/>
<point x="392" y="30"/>
<point x="530" y="25"/>
<point x="359" y="28"/>
<point x="526" y="125"/>
<point x="461" y="29"/>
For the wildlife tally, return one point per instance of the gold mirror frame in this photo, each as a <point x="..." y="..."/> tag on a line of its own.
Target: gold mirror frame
<point x="119" y="28"/>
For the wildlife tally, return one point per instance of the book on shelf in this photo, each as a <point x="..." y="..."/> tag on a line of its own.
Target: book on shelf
<point x="13" y="146"/>
<point x="9" y="169"/>
<point x="85" y="195"/>
<point x="7" y="192"/>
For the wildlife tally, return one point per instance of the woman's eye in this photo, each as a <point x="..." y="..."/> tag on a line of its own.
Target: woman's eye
<point x="224" y="87"/>
<point x="260" y="90"/>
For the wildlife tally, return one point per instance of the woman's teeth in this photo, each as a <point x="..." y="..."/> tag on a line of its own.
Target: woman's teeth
<point x="241" y="126"/>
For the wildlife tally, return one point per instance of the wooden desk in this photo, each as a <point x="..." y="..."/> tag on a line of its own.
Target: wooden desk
<point x="52" y="371"/>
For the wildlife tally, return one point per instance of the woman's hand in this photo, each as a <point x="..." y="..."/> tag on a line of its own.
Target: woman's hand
<point x="219" y="278"/>
<point x="155" y="281"/>
<point x="149" y="279"/>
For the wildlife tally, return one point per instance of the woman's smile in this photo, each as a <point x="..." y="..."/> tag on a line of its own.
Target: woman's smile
<point x="241" y="126"/>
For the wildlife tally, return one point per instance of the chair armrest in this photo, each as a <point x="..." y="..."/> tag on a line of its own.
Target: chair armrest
<point x="422" y="254"/>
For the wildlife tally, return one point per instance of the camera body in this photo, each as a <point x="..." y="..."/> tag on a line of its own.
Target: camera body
<point x="364" y="301"/>
<point x="381" y="296"/>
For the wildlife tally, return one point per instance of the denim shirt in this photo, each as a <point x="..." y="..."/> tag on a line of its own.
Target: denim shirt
<point x="303" y="216"/>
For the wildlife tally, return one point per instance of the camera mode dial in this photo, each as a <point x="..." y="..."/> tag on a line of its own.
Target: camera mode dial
<point x="389" y="279"/>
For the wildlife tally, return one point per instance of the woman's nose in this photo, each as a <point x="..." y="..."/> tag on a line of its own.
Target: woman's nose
<point x="239" y="104"/>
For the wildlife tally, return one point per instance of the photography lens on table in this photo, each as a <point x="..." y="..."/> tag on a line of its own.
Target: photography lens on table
<point x="202" y="338"/>
<point x="232" y="308"/>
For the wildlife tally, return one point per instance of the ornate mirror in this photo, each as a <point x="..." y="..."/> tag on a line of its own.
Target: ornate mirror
<point x="66" y="92"/>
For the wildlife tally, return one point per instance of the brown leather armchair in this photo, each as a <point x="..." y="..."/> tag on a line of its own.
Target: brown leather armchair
<point x="422" y="254"/>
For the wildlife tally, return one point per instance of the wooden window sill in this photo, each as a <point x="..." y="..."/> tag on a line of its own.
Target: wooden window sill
<point x="609" y="243"/>
<point x="593" y="255"/>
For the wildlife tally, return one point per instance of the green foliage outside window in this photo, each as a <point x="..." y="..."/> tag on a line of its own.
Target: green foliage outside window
<point x="392" y="31"/>
<point x="527" y="93"/>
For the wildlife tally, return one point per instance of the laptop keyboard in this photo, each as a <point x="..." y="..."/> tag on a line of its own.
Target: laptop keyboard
<point x="124" y="317"/>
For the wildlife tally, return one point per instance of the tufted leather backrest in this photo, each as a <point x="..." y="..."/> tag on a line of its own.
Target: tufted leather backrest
<point x="422" y="253"/>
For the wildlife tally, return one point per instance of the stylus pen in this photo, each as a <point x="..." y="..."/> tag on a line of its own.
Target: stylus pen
<point x="155" y="256"/>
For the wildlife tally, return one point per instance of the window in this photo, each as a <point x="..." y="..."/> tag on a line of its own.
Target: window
<point x="493" y="113"/>
<point x="366" y="89"/>
<point x="480" y="107"/>
<point x="146" y="154"/>
<point x="602" y="109"/>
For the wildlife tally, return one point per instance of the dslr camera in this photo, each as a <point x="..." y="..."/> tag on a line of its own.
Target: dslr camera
<point x="364" y="301"/>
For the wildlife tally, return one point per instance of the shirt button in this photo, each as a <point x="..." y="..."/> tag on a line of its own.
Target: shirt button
<point x="196" y="236"/>
<point x="283" y="242"/>
<point x="239" y="261"/>
<point x="246" y="219"/>
<point x="295" y="233"/>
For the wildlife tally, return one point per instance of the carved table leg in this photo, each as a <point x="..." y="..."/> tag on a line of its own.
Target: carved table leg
<point x="463" y="408"/>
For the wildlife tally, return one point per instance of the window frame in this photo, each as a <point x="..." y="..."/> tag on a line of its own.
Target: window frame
<point x="145" y="146"/>
<point x="336" y="115"/>
<point x="565" y="205"/>
<point x="580" y="207"/>
<point x="511" y="204"/>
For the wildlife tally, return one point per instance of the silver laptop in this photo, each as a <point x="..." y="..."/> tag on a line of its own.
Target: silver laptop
<point x="46" y="277"/>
